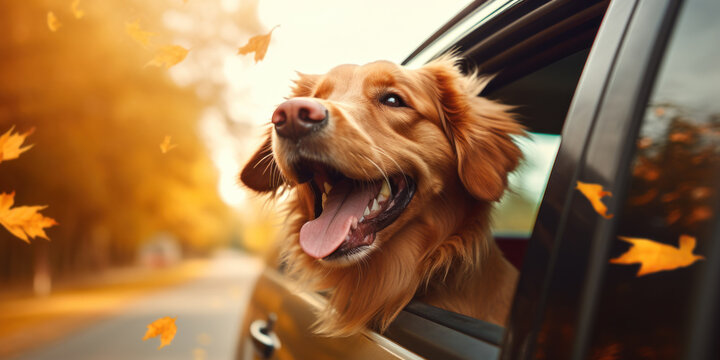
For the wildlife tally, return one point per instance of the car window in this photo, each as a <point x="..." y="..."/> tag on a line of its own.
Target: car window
<point x="673" y="195"/>
<point x="542" y="99"/>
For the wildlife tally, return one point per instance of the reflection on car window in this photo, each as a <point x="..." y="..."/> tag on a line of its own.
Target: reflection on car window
<point x="673" y="193"/>
<point x="515" y="214"/>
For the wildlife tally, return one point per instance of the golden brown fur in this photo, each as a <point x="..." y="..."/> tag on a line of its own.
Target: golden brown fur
<point x="458" y="149"/>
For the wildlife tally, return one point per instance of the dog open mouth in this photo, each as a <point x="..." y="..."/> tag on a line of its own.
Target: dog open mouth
<point x="349" y="212"/>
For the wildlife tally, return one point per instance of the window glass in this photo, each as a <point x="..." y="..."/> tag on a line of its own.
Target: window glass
<point x="516" y="212"/>
<point x="673" y="194"/>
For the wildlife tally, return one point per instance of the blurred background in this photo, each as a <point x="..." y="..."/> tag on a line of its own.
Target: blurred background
<point x="133" y="219"/>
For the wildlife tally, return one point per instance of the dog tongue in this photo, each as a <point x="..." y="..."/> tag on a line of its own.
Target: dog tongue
<point x="320" y="237"/>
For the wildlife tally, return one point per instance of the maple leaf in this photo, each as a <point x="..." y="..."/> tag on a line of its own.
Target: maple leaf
<point x="168" y="56"/>
<point x="11" y="144"/>
<point x="257" y="44"/>
<point x="77" y="12"/>
<point x="165" y="146"/>
<point x="654" y="256"/>
<point x="53" y="22"/>
<point x="141" y="36"/>
<point x="594" y="192"/>
<point x="23" y="221"/>
<point x="165" y="327"/>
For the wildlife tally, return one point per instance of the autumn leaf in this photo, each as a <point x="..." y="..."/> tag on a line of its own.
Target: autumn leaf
<point x="165" y="328"/>
<point x="11" y="144"/>
<point x="53" y="22"/>
<point x="141" y="36"/>
<point x="165" y="146"/>
<point x="77" y="12"/>
<point x="654" y="256"/>
<point x="168" y="56"/>
<point x="594" y="193"/>
<point x="23" y="221"/>
<point x="257" y="44"/>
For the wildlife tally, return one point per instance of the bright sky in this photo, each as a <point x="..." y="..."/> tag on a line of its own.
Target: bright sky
<point x="313" y="37"/>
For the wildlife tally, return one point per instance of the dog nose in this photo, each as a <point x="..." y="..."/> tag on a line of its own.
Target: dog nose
<point x="296" y="118"/>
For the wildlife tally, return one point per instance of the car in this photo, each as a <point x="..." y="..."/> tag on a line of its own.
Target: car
<point x="619" y="93"/>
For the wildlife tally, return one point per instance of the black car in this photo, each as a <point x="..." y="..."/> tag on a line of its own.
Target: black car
<point x="622" y="93"/>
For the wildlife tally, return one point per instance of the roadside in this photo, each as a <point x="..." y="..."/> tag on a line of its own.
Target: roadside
<point x="28" y="322"/>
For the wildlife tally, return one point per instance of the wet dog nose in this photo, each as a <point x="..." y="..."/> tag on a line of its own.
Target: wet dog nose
<point x="296" y="118"/>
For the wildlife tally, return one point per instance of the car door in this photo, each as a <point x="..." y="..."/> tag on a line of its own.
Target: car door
<point x="654" y="144"/>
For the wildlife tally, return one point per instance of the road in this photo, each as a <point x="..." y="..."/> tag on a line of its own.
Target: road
<point x="209" y="312"/>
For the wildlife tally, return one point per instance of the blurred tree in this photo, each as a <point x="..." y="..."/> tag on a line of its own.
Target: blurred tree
<point x="100" y="117"/>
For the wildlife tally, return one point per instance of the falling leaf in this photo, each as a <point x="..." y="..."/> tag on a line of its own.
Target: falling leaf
<point x="165" y="146"/>
<point x="654" y="256"/>
<point x="11" y="144"/>
<point x="168" y="56"/>
<point x="53" y="22"/>
<point x="595" y="193"/>
<point x="165" y="327"/>
<point x="257" y="44"/>
<point x="141" y="36"/>
<point x="77" y="12"/>
<point x="23" y="221"/>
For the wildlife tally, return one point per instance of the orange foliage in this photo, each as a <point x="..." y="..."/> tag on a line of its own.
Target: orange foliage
<point x="165" y="146"/>
<point x="654" y="256"/>
<point x="79" y="14"/>
<point x="168" y="56"/>
<point x="23" y="221"/>
<point x="165" y="328"/>
<point x="53" y="22"/>
<point x="594" y="193"/>
<point x="141" y="36"/>
<point x="11" y="144"/>
<point x="257" y="44"/>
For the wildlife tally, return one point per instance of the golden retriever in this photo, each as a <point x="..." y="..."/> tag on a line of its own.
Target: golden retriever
<point x="392" y="174"/>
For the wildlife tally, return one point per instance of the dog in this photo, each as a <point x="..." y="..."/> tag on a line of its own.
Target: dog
<point x="392" y="175"/>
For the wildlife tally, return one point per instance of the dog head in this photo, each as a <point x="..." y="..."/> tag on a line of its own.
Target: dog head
<point x="375" y="153"/>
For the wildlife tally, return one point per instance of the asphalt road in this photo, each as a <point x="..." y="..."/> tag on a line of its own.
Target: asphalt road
<point x="209" y="313"/>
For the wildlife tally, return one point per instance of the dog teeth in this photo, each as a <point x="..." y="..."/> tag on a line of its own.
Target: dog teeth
<point x="385" y="190"/>
<point x="324" y="200"/>
<point x="354" y="223"/>
<point x="375" y="206"/>
<point x="362" y="218"/>
<point x="367" y="212"/>
<point x="381" y="197"/>
<point x="327" y="187"/>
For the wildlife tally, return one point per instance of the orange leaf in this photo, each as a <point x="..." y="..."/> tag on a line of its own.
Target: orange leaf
<point x="654" y="256"/>
<point x="53" y="22"/>
<point x="594" y="193"/>
<point x="77" y="12"/>
<point x="165" y="327"/>
<point x="168" y="56"/>
<point x="257" y="44"/>
<point x="165" y="146"/>
<point x="23" y="221"/>
<point x="11" y="144"/>
<point x="141" y="36"/>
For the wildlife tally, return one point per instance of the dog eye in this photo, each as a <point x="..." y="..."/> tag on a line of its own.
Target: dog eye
<point x="392" y="100"/>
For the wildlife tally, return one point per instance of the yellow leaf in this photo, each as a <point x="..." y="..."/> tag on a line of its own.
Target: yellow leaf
<point x="11" y="144"/>
<point x="77" y="12"/>
<point x="165" y="146"/>
<point x="23" y="221"/>
<point x="168" y="56"/>
<point x="53" y="22"/>
<point x="654" y="256"/>
<point x="165" y="327"/>
<point x="141" y="36"/>
<point x="257" y="44"/>
<point x="594" y="193"/>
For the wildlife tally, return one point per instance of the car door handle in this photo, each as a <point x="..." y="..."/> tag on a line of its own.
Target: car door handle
<point x="263" y="337"/>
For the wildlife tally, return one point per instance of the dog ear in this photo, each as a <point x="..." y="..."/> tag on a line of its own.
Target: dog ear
<point x="304" y="85"/>
<point x="480" y="130"/>
<point x="261" y="172"/>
